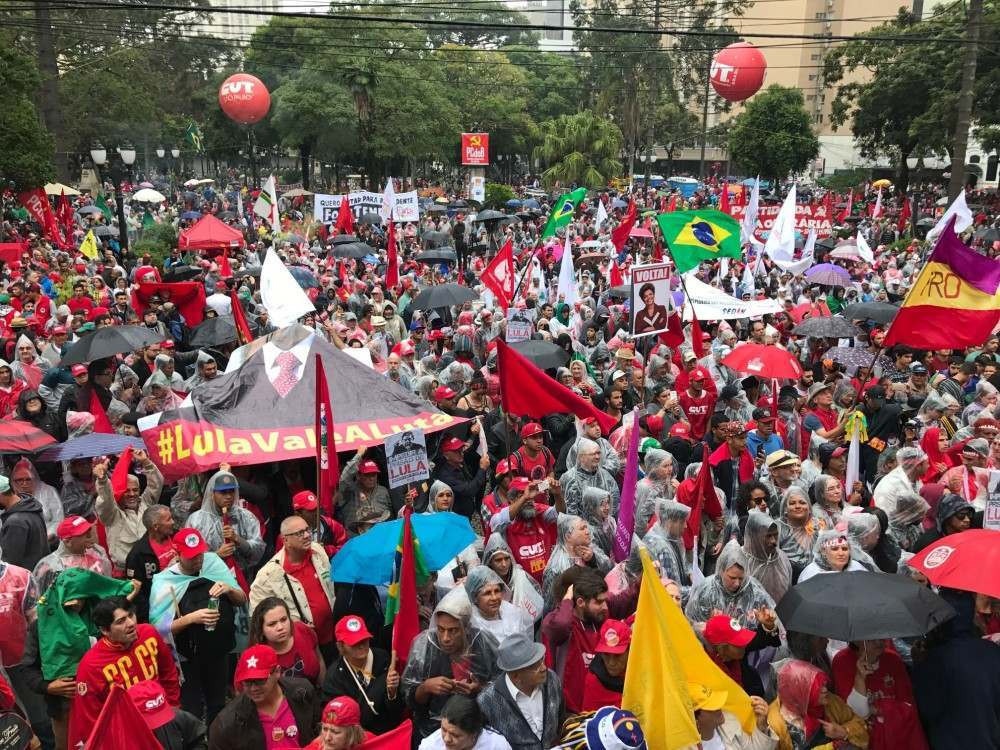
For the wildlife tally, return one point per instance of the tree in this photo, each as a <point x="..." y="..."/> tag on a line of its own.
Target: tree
<point x="497" y="195"/>
<point x="773" y="136"/>
<point x="580" y="149"/>
<point x="498" y="14"/>
<point x="26" y="156"/>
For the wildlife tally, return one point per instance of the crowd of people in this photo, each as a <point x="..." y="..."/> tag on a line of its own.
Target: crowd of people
<point x="210" y="599"/>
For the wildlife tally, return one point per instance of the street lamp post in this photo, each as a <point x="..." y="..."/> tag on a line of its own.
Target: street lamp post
<point x="117" y="173"/>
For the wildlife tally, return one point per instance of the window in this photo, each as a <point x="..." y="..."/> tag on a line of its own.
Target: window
<point x="818" y="118"/>
<point x="821" y="15"/>
<point x="974" y="159"/>
<point x="815" y="57"/>
<point x="991" y="168"/>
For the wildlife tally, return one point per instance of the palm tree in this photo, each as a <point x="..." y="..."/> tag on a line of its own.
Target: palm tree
<point x="580" y="149"/>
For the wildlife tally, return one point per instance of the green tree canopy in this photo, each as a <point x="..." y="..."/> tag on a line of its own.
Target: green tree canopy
<point x="26" y="156"/>
<point x="580" y="149"/>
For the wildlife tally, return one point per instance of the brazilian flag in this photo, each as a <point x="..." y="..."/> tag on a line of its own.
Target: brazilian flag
<point x="563" y="210"/>
<point x="694" y="236"/>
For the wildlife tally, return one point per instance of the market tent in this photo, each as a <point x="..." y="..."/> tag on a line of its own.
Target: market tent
<point x="208" y="233"/>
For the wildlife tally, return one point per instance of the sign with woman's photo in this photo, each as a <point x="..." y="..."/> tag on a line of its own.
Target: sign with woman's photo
<point x="652" y="303"/>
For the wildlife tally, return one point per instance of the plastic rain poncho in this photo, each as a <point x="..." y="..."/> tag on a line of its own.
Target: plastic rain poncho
<point x="520" y="589"/>
<point x="649" y="490"/>
<point x="711" y="595"/>
<point x="209" y="521"/>
<point x="576" y="480"/>
<point x="821" y="564"/>
<point x="794" y="539"/>
<point x="905" y="523"/>
<point x="510" y="619"/>
<point x="772" y="570"/>
<point x="45" y="494"/>
<point x="668" y="549"/>
<point x="469" y="557"/>
<point x="602" y="530"/>
<point x="94" y="559"/>
<point x="563" y="558"/>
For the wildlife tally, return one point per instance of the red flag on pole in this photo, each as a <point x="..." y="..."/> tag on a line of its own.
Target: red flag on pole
<point x="672" y="206"/>
<point x="658" y="251"/>
<point x="392" y="262"/>
<point x="119" y="477"/>
<point x="498" y="276"/>
<point x="398" y="739"/>
<point x="615" y="275"/>
<point x="225" y="271"/>
<point x="120" y="725"/>
<point x="724" y="198"/>
<point x="66" y="217"/>
<point x="904" y="215"/>
<point x="37" y="203"/>
<point x="697" y="338"/>
<point x="345" y="219"/>
<point x="101" y="421"/>
<point x="403" y="606"/>
<point x="847" y="209"/>
<point x="704" y="488"/>
<point x="240" y="318"/>
<point x="619" y="235"/>
<point x="327" y="464"/>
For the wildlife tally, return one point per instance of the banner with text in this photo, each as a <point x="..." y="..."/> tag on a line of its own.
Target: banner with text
<point x="406" y="458"/>
<point x="325" y="206"/>
<point x="807" y="216"/>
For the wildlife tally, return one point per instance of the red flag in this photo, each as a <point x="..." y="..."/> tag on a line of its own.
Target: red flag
<point x="326" y="443"/>
<point x="658" y="251"/>
<point x="724" y="198"/>
<point x="189" y="296"/>
<point x="904" y="215"/>
<point x="225" y="271"/>
<point x="847" y="209"/>
<point x="672" y="206"/>
<point x="101" y="421"/>
<point x="406" y="622"/>
<point x="37" y="203"/>
<point x="704" y="488"/>
<point x="121" y="725"/>
<point x="615" y="275"/>
<point x="828" y="203"/>
<point x="527" y="391"/>
<point x="345" y="219"/>
<point x="66" y="218"/>
<point x="619" y="235"/>
<point x="674" y="335"/>
<point x="697" y="339"/>
<point x="119" y="477"/>
<point x="399" y="738"/>
<point x="240" y="317"/>
<point x="392" y="258"/>
<point x="498" y="276"/>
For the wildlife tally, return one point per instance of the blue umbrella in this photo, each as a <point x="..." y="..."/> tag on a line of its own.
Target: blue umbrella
<point x="304" y="276"/>
<point x="513" y="203"/>
<point x="531" y="203"/>
<point x="88" y="446"/>
<point x="619" y="203"/>
<point x="191" y="215"/>
<point x="369" y="558"/>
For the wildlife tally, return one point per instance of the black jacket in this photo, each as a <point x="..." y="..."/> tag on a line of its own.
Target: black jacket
<point x="339" y="681"/>
<point x="467" y="486"/>
<point x="185" y="732"/>
<point x="23" y="537"/>
<point x="238" y="728"/>
<point x="141" y="564"/>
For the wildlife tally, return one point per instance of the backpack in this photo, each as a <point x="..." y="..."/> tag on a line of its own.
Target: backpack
<point x="196" y="640"/>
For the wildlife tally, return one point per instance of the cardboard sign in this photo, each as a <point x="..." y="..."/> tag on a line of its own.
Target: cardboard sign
<point x="406" y="458"/>
<point x="652" y="301"/>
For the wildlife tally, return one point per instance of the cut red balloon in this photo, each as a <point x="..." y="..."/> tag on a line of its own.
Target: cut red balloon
<point x="738" y="71"/>
<point x="244" y="98"/>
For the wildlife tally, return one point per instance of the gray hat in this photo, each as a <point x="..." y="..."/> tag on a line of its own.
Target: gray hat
<point x="815" y="389"/>
<point x="518" y="652"/>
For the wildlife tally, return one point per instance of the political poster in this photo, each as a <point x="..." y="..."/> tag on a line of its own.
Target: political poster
<point x="991" y="516"/>
<point x="406" y="458"/>
<point x="519" y="326"/>
<point x="475" y="149"/>
<point x="651" y="299"/>
<point x="325" y="206"/>
<point x="407" y="208"/>
<point x="708" y="303"/>
<point x="807" y="216"/>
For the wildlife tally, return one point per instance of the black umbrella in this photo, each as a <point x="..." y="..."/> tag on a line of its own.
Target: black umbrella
<point x="343" y="239"/>
<point x="489" y="215"/>
<point x="356" y="250"/>
<point x="620" y="292"/>
<point x="370" y="218"/>
<point x="543" y="354"/>
<point x="435" y="239"/>
<point x="879" y="312"/>
<point x="438" y="255"/>
<point x="458" y="204"/>
<point x="107" y="342"/>
<point x="180" y="273"/>
<point x="226" y="216"/>
<point x="105" y="230"/>
<point x="825" y="328"/>
<point x="436" y="209"/>
<point x="213" y="332"/>
<point x="862" y="606"/>
<point x="927" y="222"/>
<point x="442" y="295"/>
<point x="479" y="248"/>
<point x="987" y="234"/>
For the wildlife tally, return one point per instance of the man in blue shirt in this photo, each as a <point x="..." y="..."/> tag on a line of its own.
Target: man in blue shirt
<point x="763" y="440"/>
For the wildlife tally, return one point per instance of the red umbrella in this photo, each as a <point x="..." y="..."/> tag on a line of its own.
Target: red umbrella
<point x="969" y="560"/>
<point x="17" y="436"/>
<point x="763" y="361"/>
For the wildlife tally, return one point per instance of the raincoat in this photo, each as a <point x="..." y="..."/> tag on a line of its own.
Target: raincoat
<point x="906" y="522"/>
<point x="576" y="480"/>
<point x="562" y="559"/>
<point x="649" y="490"/>
<point x="797" y="540"/>
<point x="668" y="550"/>
<point x="820" y="564"/>
<point x="469" y="556"/>
<point x="520" y="589"/>
<point x="94" y="559"/>
<point x="602" y="531"/>
<point x="46" y="495"/>
<point x="772" y="570"/>
<point x="510" y="620"/>
<point x="710" y="595"/>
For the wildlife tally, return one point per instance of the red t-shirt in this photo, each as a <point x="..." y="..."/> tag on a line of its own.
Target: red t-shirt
<point x="319" y="605"/>
<point x="698" y="410"/>
<point x="79" y="305"/>
<point x="828" y="417"/>
<point x="165" y="553"/>
<point x="301" y="660"/>
<point x="280" y="730"/>
<point x="531" y="541"/>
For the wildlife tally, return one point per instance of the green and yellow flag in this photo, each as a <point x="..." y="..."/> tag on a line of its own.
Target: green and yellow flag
<point x="563" y="210"/>
<point x="694" y="236"/>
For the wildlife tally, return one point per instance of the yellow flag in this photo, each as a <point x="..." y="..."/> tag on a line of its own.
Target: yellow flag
<point x="671" y="656"/>
<point x="89" y="246"/>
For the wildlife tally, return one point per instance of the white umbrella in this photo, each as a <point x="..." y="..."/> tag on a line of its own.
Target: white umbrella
<point x="148" y="195"/>
<point x="590" y="244"/>
<point x="57" y="188"/>
<point x="192" y="183"/>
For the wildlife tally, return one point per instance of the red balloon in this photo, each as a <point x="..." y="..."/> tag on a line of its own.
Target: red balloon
<point x="738" y="71"/>
<point x="244" y="98"/>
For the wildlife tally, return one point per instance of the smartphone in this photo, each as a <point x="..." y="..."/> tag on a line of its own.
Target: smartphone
<point x="459" y="572"/>
<point x="543" y="486"/>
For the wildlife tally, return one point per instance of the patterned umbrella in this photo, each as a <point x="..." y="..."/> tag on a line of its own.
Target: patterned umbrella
<point x="829" y="275"/>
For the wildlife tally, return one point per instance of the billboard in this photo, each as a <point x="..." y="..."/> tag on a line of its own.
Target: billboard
<point x="475" y="149"/>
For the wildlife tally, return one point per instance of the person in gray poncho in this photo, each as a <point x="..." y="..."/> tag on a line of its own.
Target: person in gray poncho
<point x="519" y="588"/>
<point x="595" y="509"/>
<point x="731" y="590"/>
<point x="587" y="473"/>
<point x="906" y="522"/>
<point x="798" y="527"/>
<point x="574" y="547"/>
<point x="769" y="565"/>
<point x="450" y="658"/>
<point x="666" y="544"/>
<point x="658" y="483"/>
<point x="490" y="611"/>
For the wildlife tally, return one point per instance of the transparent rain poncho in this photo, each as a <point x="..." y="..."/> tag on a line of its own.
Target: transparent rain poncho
<point x="772" y="570"/>
<point x="668" y="549"/>
<point x="741" y="604"/>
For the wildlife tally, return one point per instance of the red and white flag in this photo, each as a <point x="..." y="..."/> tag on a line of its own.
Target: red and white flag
<point x="498" y="276"/>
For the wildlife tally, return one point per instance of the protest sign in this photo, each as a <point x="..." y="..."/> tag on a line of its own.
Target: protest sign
<point x="651" y="299"/>
<point x="807" y="216"/>
<point x="325" y="206"/>
<point x="406" y="458"/>
<point x="519" y="326"/>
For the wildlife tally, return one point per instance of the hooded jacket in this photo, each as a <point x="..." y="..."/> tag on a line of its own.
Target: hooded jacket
<point x="711" y="594"/>
<point x="772" y="570"/>
<point x="520" y="589"/>
<point x="23" y="537"/>
<point x="208" y="520"/>
<point x="45" y="419"/>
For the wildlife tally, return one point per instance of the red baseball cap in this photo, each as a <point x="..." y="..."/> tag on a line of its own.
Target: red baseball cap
<point x="58" y="330"/>
<point x="151" y="700"/>
<point x="189" y="543"/>
<point x="78" y="370"/>
<point x="443" y="392"/>
<point x="368" y="467"/>
<point x="681" y="430"/>
<point x="503" y="467"/>
<point x="435" y="335"/>
<point x="256" y="663"/>
<point x="167" y="344"/>
<point x="73" y="526"/>
<point x="304" y="500"/>
<point x="342" y="712"/>
<point x="351" y="630"/>
<point x="531" y="429"/>
<point x="615" y="638"/>
<point x="518" y="484"/>
<point x="452" y="444"/>
<point x="654" y="424"/>
<point x="698" y="373"/>
<point x="723" y="629"/>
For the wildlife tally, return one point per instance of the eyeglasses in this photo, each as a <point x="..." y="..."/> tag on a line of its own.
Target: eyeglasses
<point x="299" y="533"/>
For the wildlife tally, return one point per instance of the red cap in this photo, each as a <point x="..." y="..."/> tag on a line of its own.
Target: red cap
<point x="77" y="370"/>
<point x="590" y="420"/>
<point x="723" y="629"/>
<point x="256" y="663"/>
<point x="304" y="500"/>
<point x="698" y="373"/>
<point x="518" y="484"/>
<point x="452" y="444"/>
<point x="351" y="630"/>
<point x="73" y="526"/>
<point x="531" y="429"/>
<point x="406" y="348"/>
<point x="342" y="712"/>
<point x="443" y="392"/>
<point x="151" y="700"/>
<point x="503" y="467"/>
<point x="58" y="330"/>
<point x="189" y="543"/>
<point x="435" y="335"/>
<point x="368" y="467"/>
<point x="95" y="313"/>
<point x="615" y="638"/>
<point x="167" y="344"/>
<point x="681" y="430"/>
<point x="654" y="424"/>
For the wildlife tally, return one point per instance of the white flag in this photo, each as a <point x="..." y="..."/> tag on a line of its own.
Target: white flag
<point x="864" y="249"/>
<point x="799" y="267"/>
<point x="567" y="275"/>
<point x="958" y="209"/>
<point x="749" y="224"/>
<point x="482" y="449"/>
<point x="747" y="282"/>
<point x="280" y="292"/>
<point x="853" y="463"/>
<point x="780" y="243"/>
<point x="388" y="201"/>
<point x="602" y="216"/>
<point x="877" y="211"/>
<point x="240" y="213"/>
<point x="267" y="204"/>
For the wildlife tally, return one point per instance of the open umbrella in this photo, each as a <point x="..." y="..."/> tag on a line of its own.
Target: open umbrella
<point x="513" y="203"/>
<point x="106" y="230"/>
<point x="370" y="557"/>
<point x="305" y="277"/>
<point x="544" y="355"/>
<point x="969" y="561"/>
<point x="878" y="312"/>
<point x="531" y="203"/>
<point x="226" y="215"/>
<point x="488" y="215"/>
<point x="459" y="203"/>
<point x="107" y="342"/>
<point x="191" y="216"/>
<point x="828" y="274"/>
<point x="640" y="232"/>
<point x="436" y="209"/>
<point x="180" y="273"/>
<point x="370" y="218"/>
<point x="438" y="255"/>
<point x="619" y="203"/>
<point x="849" y="356"/>
<point x="17" y="436"/>
<point x="356" y="250"/>
<point x="591" y="259"/>
<point x="620" y="292"/>
<point x="88" y="446"/>
<point x="192" y="183"/>
<point x="148" y="195"/>
<point x="862" y="606"/>
<point x="57" y="188"/>
<point x="764" y="361"/>
<point x="825" y="328"/>
<point x="295" y="193"/>
<point x="987" y="234"/>
<point x="146" y="184"/>
<point x="442" y="295"/>
<point x="343" y="239"/>
<point x="87" y="210"/>
<point x="213" y="332"/>
<point x="435" y="239"/>
<point x="846" y="252"/>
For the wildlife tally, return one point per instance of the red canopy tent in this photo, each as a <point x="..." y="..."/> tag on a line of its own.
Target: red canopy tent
<point x="208" y="233"/>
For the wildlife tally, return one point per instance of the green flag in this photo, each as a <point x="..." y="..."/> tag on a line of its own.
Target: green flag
<point x="105" y="208"/>
<point x="147" y="219"/>
<point x="562" y="211"/>
<point x="193" y="135"/>
<point x="694" y="236"/>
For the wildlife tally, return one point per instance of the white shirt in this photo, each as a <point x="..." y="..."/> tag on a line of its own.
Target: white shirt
<point x="488" y="740"/>
<point x="532" y="707"/>
<point x="271" y="352"/>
